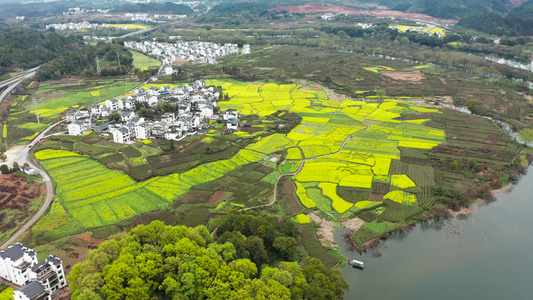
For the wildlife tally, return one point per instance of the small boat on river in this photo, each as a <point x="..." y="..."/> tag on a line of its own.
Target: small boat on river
<point x="356" y="263"/>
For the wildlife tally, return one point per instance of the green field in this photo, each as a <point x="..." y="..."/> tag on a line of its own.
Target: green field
<point x="143" y="62"/>
<point x="53" y="99"/>
<point x="95" y="195"/>
<point x="366" y="158"/>
<point x="384" y="173"/>
<point x="130" y="26"/>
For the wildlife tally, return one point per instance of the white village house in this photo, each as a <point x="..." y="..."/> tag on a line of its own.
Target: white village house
<point x="39" y="280"/>
<point x="193" y="105"/>
<point x="191" y="51"/>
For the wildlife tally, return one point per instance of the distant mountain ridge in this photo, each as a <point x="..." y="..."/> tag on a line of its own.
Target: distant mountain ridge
<point x="451" y="9"/>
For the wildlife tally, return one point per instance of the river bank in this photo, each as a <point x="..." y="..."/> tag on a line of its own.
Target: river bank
<point x="484" y="255"/>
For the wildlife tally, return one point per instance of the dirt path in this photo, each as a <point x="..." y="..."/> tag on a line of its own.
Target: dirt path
<point x="302" y="163"/>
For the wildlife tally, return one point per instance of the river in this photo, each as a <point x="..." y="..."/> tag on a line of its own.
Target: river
<point x="490" y="259"/>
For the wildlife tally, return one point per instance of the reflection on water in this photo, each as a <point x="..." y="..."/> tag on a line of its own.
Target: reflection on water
<point x="486" y="255"/>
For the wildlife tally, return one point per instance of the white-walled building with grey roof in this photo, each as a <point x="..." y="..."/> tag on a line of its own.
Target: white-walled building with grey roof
<point x="32" y="291"/>
<point x="38" y="280"/>
<point x="16" y="262"/>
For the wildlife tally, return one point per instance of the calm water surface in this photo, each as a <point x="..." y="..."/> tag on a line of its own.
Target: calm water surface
<point x="491" y="257"/>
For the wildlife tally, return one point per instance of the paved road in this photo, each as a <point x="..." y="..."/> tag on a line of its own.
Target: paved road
<point x="18" y="77"/>
<point x="22" y="156"/>
<point x="8" y="90"/>
<point x="302" y="163"/>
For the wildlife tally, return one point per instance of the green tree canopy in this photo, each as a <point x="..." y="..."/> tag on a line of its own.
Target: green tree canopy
<point x="165" y="262"/>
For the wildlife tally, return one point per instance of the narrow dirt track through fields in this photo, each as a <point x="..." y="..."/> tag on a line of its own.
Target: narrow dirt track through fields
<point x="302" y="163"/>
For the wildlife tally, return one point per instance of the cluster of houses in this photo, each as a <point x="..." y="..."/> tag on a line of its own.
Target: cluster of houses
<point x="196" y="104"/>
<point x="37" y="280"/>
<point x="153" y="18"/>
<point x="75" y="26"/>
<point x="83" y="11"/>
<point x="193" y="51"/>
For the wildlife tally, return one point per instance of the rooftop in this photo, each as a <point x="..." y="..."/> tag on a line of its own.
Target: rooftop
<point x="33" y="289"/>
<point x="15" y="251"/>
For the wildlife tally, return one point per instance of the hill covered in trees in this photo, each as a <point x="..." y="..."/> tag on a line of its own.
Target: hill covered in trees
<point x="165" y="262"/>
<point x="27" y="48"/>
<point x="154" y="7"/>
<point x="448" y="9"/>
<point x="501" y="17"/>
<point x="82" y="62"/>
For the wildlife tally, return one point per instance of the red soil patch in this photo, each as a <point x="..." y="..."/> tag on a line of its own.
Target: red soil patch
<point x="89" y="239"/>
<point x="218" y="197"/>
<point x="517" y="3"/>
<point x="413" y="77"/>
<point x="322" y="8"/>
<point x="315" y="8"/>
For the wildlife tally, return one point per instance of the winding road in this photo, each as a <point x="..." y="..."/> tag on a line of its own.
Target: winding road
<point x="21" y="156"/>
<point x="302" y="163"/>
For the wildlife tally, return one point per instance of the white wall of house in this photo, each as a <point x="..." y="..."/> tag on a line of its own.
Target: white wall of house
<point x="121" y="136"/>
<point x="15" y="268"/>
<point x="75" y="128"/>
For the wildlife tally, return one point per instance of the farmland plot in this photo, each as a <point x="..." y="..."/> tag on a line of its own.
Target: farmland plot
<point x="366" y="159"/>
<point x="94" y="195"/>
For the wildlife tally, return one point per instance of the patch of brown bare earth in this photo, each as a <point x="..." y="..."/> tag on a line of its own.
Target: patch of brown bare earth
<point x="414" y="77"/>
<point x="467" y="210"/>
<point x="322" y="8"/>
<point x="89" y="239"/>
<point x="217" y="197"/>
<point x="307" y="86"/>
<point x="326" y="230"/>
<point x="16" y="193"/>
<point x="287" y="190"/>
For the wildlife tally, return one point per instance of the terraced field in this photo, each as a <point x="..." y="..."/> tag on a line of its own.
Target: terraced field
<point x="95" y="195"/>
<point x="365" y="161"/>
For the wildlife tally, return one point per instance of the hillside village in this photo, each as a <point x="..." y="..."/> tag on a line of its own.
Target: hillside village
<point x="182" y="51"/>
<point x="75" y="26"/>
<point x="196" y="103"/>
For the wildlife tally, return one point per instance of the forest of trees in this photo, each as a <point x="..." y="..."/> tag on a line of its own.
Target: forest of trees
<point x="26" y="48"/>
<point x="154" y="7"/>
<point x="165" y="262"/>
<point x="519" y="22"/>
<point x="82" y="62"/>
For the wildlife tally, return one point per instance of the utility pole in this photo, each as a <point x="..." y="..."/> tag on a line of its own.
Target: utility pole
<point x="118" y="57"/>
<point x="98" y="69"/>
<point x="36" y="111"/>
